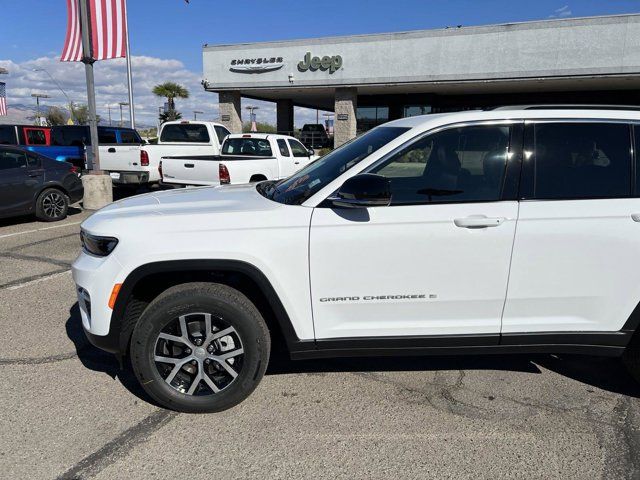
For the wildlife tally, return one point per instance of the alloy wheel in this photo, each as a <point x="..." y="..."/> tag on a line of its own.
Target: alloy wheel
<point x="53" y="204"/>
<point x="198" y="354"/>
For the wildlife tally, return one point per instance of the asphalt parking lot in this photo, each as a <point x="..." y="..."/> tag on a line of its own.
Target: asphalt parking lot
<point x="67" y="411"/>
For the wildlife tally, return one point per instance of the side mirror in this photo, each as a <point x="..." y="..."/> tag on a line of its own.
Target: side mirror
<point x="311" y="152"/>
<point x="362" y="191"/>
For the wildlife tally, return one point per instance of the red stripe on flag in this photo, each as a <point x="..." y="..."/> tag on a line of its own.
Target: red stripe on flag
<point x="114" y="30"/>
<point x="94" y="30"/>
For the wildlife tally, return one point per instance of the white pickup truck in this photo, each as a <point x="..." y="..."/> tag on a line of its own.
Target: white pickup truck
<point x="183" y="137"/>
<point x="244" y="158"/>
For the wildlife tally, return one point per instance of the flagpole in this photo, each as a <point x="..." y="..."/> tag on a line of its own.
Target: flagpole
<point x="93" y="162"/>
<point x="129" y="78"/>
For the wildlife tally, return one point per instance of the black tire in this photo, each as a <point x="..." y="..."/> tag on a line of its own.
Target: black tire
<point x="224" y="304"/>
<point x="631" y="357"/>
<point x="52" y="205"/>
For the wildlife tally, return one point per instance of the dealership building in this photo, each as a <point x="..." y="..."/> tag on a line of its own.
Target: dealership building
<point x="370" y="79"/>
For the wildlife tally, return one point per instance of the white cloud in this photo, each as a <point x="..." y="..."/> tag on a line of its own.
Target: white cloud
<point x="111" y="88"/>
<point x="561" y="12"/>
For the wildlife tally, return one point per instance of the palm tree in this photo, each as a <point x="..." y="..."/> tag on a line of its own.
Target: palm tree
<point x="170" y="91"/>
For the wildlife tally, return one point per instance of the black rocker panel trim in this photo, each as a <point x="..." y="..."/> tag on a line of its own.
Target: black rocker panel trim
<point x="113" y="341"/>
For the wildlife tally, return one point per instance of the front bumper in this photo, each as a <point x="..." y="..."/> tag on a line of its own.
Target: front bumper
<point x="94" y="278"/>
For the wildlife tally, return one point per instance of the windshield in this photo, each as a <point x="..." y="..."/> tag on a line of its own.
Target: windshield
<point x="258" y="147"/>
<point x="300" y="186"/>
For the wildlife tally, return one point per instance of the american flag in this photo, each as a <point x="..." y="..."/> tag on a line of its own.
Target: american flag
<point x="3" y="99"/>
<point x="108" y="19"/>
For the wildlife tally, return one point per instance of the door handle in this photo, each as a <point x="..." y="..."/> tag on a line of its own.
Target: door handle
<point x="189" y="165"/>
<point x="297" y="163"/>
<point x="479" y="221"/>
<point x="35" y="174"/>
<point x="112" y="150"/>
<point x="635" y="217"/>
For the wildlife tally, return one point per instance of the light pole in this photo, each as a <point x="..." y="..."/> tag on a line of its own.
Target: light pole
<point x="69" y="102"/>
<point x="252" y="117"/>
<point x="122" y="104"/>
<point x="38" y="96"/>
<point x="195" y="114"/>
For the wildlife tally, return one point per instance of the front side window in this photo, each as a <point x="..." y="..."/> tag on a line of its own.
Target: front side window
<point x="282" y="146"/>
<point x="465" y="164"/>
<point x="579" y="160"/>
<point x="256" y="147"/>
<point x="303" y="184"/>
<point x="298" y="149"/>
<point x="185" y="133"/>
<point x="12" y="159"/>
<point x="36" y="136"/>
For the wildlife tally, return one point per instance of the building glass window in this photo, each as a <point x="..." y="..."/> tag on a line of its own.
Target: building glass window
<point x="369" y="117"/>
<point x="415" y="110"/>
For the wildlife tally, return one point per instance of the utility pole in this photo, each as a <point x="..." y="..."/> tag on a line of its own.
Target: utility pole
<point x="109" y="109"/>
<point x="195" y="114"/>
<point x="122" y="104"/>
<point x="38" y="96"/>
<point x="93" y="160"/>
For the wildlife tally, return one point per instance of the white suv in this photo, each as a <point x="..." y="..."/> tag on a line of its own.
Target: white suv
<point x="502" y="231"/>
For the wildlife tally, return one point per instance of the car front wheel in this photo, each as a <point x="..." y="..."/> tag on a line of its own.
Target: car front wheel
<point x="200" y="347"/>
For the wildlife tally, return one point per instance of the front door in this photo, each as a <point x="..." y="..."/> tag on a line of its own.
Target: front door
<point x="300" y="158"/>
<point x="434" y="262"/>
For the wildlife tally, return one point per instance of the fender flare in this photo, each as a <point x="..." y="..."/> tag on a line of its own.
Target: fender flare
<point x="114" y="340"/>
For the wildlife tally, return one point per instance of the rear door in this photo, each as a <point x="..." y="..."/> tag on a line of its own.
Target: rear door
<point x="8" y="135"/>
<point x="17" y="183"/>
<point x="577" y="247"/>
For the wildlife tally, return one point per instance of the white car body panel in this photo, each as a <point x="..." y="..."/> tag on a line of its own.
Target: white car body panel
<point x="575" y="266"/>
<point x="414" y="250"/>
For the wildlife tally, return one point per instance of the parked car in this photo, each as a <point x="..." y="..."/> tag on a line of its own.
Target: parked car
<point x="314" y="135"/>
<point x="184" y="138"/>
<point x="514" y="231"/>
<point x="34" y="184"/>
<point x="247" y="157"/>
<point x="119" y="147"/>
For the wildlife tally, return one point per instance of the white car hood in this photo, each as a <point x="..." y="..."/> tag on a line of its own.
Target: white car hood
<point x="187" y="201"/>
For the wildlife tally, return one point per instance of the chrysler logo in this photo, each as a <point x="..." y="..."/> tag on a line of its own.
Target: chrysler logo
<point x="256" y="65"/>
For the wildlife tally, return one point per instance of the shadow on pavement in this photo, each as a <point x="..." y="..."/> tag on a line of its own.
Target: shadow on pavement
<point x="22" y="219"/>
<point x="100" y="361"/>
<point x="604" y="373"/>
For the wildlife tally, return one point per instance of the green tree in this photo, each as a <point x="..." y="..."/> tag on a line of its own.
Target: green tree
<point x="81" y="114"/>
<point x="261" y="127"/>
<point x="56" y="116"/>
<point x="170" y="91"/>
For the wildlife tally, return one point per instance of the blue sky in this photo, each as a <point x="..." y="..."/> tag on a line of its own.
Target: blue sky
<point x="174" y="30"/>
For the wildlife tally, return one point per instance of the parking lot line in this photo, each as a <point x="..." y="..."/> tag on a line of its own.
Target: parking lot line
<point x="39" y="229"/>
<point x="38" y="280"/>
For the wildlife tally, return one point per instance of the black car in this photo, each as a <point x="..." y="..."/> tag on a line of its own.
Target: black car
<point x="314" y="135"/>
<point x="32" y="183"/>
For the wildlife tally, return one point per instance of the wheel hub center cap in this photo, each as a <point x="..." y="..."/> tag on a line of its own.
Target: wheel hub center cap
<point x="200" y="353"/>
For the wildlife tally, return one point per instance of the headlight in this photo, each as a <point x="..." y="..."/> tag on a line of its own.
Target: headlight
<point x="95" y="245"/>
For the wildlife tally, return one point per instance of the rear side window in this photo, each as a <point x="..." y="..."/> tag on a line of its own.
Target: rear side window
<point x="130" y="137"/>
<point x="185" y="133"/>
<point x="12" y="159"/>
<point x="282" y="146"/>
<point x="579" y="160"/>
<point x="7" y="135"/>
<point x="258" y="147"/>
<point x="106" y="137"/>
<point x="36" y="136"/>
<point x="221" y="132"/>
<point x="70" y="136"/>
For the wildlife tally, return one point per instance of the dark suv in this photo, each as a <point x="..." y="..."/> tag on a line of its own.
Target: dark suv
<point x="314" y="135"/>
<point x="33" y="183"/>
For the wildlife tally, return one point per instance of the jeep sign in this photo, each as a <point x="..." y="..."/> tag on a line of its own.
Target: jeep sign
<point x="316" y="63"/>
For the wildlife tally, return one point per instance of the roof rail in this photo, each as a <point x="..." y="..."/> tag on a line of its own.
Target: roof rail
<point x="566" y="107"/>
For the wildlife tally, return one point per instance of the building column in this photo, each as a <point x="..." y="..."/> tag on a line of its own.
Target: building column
<point x="284" y="116"/>
<point x="230" y="111"/>
<point x="344" y="125"/>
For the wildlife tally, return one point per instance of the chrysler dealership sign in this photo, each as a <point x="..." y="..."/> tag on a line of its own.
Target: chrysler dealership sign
<point x="256" y="65"/>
